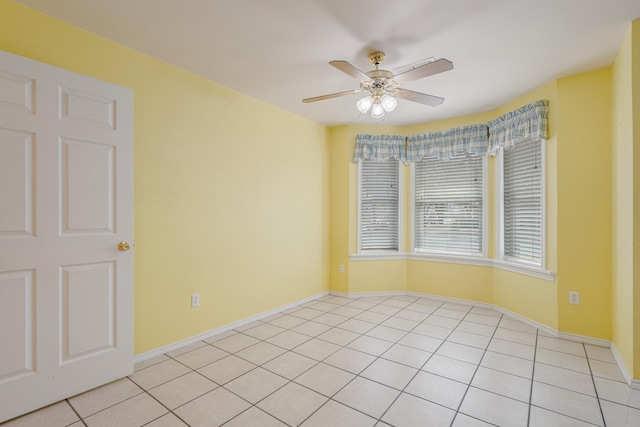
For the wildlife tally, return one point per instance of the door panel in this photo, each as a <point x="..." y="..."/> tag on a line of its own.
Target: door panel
<point x="17" y="91"/>
<point x="66" y="201"/>
<point x="88" y="303"/>
<point x="16" y="183"/>
<point x="87" y="107"/>
<point x="17" y="325"/>
<point x="87" y="187"/>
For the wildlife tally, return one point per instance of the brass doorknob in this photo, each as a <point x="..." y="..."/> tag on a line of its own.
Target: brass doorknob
<point x="124" y="246"/>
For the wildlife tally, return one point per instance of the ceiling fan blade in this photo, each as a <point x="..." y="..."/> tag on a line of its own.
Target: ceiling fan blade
<point x="349" y="69"/>
<point x="422" y="98"/>
<point x="332" y="95"/>
<point x="435" y="67"/>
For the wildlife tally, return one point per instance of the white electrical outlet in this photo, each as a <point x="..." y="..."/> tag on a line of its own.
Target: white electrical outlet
<point x="195" y="300"/>
<point x="341" y="268"/>
<point x="574" y="297"/>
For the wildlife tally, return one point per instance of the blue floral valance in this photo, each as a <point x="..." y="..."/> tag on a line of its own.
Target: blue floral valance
<point x="380" y="148"/>
<point x="444" y="145"/>
<point x="527" y="123"/>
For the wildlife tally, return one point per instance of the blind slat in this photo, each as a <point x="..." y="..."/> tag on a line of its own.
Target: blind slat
<point x="523" y="202"/>
<point x="448" y="204"/>
<point x="379" y="206"/>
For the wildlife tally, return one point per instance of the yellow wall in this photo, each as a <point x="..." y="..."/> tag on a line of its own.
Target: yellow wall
<point x="231" y="195"/>
<point x="578" y="218"/>
<point x="252" y="217"/>
<point x="533" y="298"/>
<point x="548" y="92"/>
<point x="584" y="203"/>
<point x="377" y="276"/>
<point x="625" y="118"/>
<point x="339" y="203"/>
<point x="359" y="276"/>
<point x="467" y="282"/>
<point x="635" y="72"/>
<point x="622" y="203"/>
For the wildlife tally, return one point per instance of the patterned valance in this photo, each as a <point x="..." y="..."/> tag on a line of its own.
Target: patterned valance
<point x="380" y="148"/>
<point x="444" y="145"/>
<point x="527" y="123"/>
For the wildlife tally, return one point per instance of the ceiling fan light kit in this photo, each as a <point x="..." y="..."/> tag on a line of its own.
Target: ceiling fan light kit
<point x="364" y="104"/>
<point x="379" y="105"/>
<point x="382" y="85"/>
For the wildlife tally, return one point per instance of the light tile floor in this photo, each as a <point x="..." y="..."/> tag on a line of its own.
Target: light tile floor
<point x="376" y="361"/>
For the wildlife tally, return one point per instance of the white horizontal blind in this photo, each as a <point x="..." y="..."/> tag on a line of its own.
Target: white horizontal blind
<point x="448" y="204"/>
<point x="523" y="202"/>
<point x="379" y="206"/>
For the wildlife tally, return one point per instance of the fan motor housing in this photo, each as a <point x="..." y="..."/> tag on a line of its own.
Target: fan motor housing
<point x="379" y="74"/>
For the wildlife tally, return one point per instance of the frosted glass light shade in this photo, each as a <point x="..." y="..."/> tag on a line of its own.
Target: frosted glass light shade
<point x="364" y="104"/>
<point x="388" y="103"/>
<point x="377" y="111"/>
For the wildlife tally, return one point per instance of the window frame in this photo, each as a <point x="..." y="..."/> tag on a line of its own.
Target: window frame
<point x="381" y="253"/>
<point x="436" y="255"/>
<point x="502" y="259"/>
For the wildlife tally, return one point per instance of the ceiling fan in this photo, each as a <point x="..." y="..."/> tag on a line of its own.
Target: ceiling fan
<point x="382" y="85"/>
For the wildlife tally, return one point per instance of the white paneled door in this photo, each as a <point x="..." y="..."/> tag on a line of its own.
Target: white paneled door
<point x="66" y="204"/>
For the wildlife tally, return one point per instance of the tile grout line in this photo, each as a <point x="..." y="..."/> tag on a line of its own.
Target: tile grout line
<point x="218" y="385"/>
<point x="165" y="406"/>
<point x="289" y="381"/>
<point x="422" y="366"/>
<point x="432" y="353"/>
<point x="76" y="412"/>
<point x="331" y="398"/>
<point x="553" y="385"/>
<point x="476" y="370"/>
<point x="242" y="332"/>
<point x="380" y="357"/>
<point x="389" y="338"/>
<point x="427" y="361"/>
<point x="371" y="363"/>
<point x="595" y="388"/>
<point x="533" y="373"/>
<point x="108" y="407"/>
<point x="302" y="373"/>
<point x="392" y="342"/>
<point x="170" y="411"/>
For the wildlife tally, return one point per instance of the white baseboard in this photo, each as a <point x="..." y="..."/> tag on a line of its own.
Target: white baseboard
<point x="527" y="321"/>
<point x="553" y="332"/>
<point x="205" y="335"/>
<point x="452" y="300"/>
<point x="625" y="373"/>
<point x="585" y="339"/>
<point x="385" y="294"/>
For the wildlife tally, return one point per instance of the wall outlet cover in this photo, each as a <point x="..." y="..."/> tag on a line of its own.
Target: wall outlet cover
<point x="574" y="297"/>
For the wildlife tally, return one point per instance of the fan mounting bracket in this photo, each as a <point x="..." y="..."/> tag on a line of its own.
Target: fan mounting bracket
<point x="376" y="57"/>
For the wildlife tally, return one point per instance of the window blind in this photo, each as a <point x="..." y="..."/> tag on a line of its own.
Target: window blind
<point x="523" y="202"/>
<point x="379" y="206"/>
<point x="448" y="204"/>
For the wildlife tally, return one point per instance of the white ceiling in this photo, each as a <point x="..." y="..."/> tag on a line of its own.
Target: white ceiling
<point x="278" y="50"/>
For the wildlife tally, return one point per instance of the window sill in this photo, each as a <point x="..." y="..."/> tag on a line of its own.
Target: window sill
<point x="525" y="269"/>
<point x="458" y="259"/>
<point x="377" y="256"/>
<point x="451" y="259"/>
